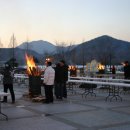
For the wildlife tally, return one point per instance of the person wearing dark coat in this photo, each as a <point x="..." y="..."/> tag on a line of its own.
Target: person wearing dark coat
<point x="8" y="83"/>
<point x="58" y="82"/>
<point x="126" y="74"/>
<point x="127" y="70"/>
<point x="113" y="70"/>
<point x="64" y="76"/>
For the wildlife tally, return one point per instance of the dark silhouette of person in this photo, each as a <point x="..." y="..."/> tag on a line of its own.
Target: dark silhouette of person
<point x="8" y="83"/>
<point x="113" y="70"/>
<point x="64" y="76"/>
<point x="58" y="82"/>
<point x="126" y="70"/>
<point x="126" y="73"/>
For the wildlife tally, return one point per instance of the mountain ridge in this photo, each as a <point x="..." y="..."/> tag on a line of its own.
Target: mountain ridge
<point x="39" y="46"/>
<point x="104" y="46"/>
<point x="100" y="48"/>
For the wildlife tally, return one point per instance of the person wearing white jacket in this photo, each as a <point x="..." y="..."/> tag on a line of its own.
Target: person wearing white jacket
<point x="49" y="76"/>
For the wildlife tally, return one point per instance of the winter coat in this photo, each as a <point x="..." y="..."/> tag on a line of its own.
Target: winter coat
<point x="49" y="76"/>
<point x="127" y="72"/>
<point x="7" y="77"/>
<point x="64" y="73"/>
<point x="61" y="74"/>
<point x="58" y="73"/>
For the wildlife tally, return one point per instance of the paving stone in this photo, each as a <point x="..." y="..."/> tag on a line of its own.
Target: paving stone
<point x="121" y="127"/>
<point x="74" y="113"/>
<point x="87" y="98"/>
<point x="96" y="118"/>
<point x="17" y="112"/>
<point x="35" y="123"/>
<point x="61" y="108"/>
<point x="123" y="109"/>
<point x="107" y="104"/>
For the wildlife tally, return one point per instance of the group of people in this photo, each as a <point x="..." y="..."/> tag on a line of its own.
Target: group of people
<point x="52" y="77"/>
<point x="126" y="70"/>
<point x="55" y="77"/>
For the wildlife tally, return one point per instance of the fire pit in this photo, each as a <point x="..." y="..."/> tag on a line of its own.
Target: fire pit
<point x="34" y="85"/>
<point x="34" y="74"/>
<point x="73" y="71"/>
<point x="101" y="69"/>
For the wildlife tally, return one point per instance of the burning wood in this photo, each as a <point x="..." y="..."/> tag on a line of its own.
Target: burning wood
<point x="100" y="67"/>
<point x="73" y="70"/>
<point x="32" y="69"/>
<point x="34" y="74"/>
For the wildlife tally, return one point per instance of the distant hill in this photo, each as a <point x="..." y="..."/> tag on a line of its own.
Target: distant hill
<point x="6" y="54"/>
<point x="40" y="46"/>
<point x="104" y="49"/>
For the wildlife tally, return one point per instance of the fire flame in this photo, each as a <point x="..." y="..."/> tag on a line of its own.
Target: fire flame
<point x="72" y="67"/>
<point x="101" y="67"/>
<point x="123" y="63"/>
<point x="32" y="69"/>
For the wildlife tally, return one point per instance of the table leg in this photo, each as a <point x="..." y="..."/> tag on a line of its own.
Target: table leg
<point x="113" y="93"/>
<point x="3" y="113"/>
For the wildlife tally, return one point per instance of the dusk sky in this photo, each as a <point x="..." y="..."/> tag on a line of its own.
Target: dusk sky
<point x="63" y="20"/>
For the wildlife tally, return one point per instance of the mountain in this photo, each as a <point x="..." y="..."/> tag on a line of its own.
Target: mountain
<point x="105" y="49"/>
<point x="40" y="46"/>
<point x="6" y="54"/>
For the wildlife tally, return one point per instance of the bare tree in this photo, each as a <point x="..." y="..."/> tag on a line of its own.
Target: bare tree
<point x="12" y="46"/>
<point x="60" y="49"/>
<point x="107" y="55"/>
<point x="73" y="56"/>
<point x="46" y="55"/>
<point x="68" y="53"/>
<point x="63" y="51"/>
<point x="27" y="46"/>
<point x="83" y="54"/>
<point x="1" y="46"/>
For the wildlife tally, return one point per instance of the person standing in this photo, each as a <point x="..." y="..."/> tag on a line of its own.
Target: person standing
<point x="58" y="82"/>
<point x="126" y="73"/>
<point x="126" y="70"/>
<point x="113" y="70"/>
<point x="49" y="76"/>
<point x="58" y="86"/>
<point x="64" y="76"/>
<point x="8" y="83"/>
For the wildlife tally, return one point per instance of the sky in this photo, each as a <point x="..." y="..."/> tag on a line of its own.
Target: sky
<point x="69" y="21"/>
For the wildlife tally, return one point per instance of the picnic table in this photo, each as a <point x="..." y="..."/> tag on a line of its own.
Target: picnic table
<point x="113" y="86"/>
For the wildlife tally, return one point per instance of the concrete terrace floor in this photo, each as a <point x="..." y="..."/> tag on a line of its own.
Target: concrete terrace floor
<point x="74" y="113"/>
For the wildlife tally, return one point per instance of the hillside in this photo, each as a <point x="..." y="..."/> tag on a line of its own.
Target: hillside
<point x="6" y="54"/>
<point x="40" y="46"/>
<point x="104" y="49"/>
